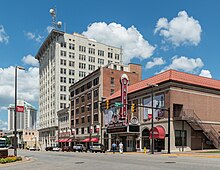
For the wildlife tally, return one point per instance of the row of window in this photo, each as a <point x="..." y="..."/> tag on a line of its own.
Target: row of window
<point x="95" y="119"/>
<point x="83" y="58"/>
<point x="88" y="130"/>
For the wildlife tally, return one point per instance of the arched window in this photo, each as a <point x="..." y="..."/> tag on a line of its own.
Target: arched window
<point x="145" y="138"/>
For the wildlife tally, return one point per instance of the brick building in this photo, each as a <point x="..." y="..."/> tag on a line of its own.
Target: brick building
<point x="87" y="94"/>
<point x="194" y="113"/>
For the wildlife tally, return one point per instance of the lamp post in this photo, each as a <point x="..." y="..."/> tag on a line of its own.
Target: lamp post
<point x="152" y="117"/>
<point x="15" y="112"/>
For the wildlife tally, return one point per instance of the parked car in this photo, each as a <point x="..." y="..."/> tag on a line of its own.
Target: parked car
<point x="55" y="148"/>
<point x="97" y="147"/>
<point x="79" y="148"/>
<point x="34" y="149"/>
<point x="67" y="148"/>
<point x="49" y="148"/>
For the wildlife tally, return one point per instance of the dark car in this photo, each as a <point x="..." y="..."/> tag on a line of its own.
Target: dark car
<point x="67" y="148"/>
<point x="97" y="147"/>
<point x="49" y="148"/>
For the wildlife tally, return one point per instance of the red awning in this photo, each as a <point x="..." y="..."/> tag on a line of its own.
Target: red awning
<point x="159" y="132"/>
<point x="94" y="139"/>
<point x="65" y="140"/>
<point x="61" y="140"/>
<point x="86" y="140"/>
<point x="56" y="140"/>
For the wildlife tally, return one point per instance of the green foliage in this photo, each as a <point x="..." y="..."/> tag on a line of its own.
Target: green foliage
<point x="10" y="159"/>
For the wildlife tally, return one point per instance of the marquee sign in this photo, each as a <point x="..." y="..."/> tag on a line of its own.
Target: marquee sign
<point x="124" y="98"/>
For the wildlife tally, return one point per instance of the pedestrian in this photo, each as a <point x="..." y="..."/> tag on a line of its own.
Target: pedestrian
<point x="121" y="147"/>
<point x="113" y="147"/>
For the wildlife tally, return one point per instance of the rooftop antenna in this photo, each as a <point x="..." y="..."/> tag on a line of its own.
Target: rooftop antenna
<point x="55" y="24"/>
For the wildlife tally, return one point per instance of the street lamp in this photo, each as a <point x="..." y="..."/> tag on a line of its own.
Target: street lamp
<point x="152" y="117"/>
<point x="15" y="112"/>
<point x="54" y="23"/>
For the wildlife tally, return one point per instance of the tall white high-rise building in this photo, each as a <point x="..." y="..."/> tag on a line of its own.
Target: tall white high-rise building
<point x="25" y="120"/>
<point x="63" y="60"/>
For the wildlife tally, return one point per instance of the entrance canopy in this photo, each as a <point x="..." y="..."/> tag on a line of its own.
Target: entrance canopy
<point x="86" y="140"/>
<point x="159" y="132"/>
<point x="94" y="139"/>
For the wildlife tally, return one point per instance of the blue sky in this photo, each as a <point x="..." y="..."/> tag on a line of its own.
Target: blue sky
<point x="158" y="34"/>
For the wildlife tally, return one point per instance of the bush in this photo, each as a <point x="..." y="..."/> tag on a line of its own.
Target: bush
<point x="10" y="159"/>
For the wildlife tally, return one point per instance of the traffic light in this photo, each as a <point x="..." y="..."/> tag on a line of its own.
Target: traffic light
<point x="107" y="104"/>
<point x="133" y="108"/>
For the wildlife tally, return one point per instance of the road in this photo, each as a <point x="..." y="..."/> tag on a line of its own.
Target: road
<point x="98" y="161"/>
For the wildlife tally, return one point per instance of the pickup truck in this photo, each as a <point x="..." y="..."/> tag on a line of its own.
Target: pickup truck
<point x="79" y="148"/>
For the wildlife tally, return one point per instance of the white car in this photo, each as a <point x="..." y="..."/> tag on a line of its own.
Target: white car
<point x="56" y="149"/>
<point x="34" y="149"/>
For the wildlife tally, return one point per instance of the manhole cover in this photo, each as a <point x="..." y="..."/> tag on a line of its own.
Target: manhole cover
<point x="79" y="162"/>
<point x="170" y="162"/>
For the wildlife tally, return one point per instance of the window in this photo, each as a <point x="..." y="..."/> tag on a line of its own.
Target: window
<point x="89" y="96"/>
<point x="82" y="99"/>
<point x="96" y="81"/>
<point x="62" y="88"/>
<point x="88" y="118"/>
<point x="71" y="72"/>
<point x="109" y="61"/>
<point x="91" y="67"/>
<point x="82" y="57"/>
<point x="71" y="55"/>
<point x="112" y="91"/>
<point x="62" y="97"/>
<point x="109" y="55"/>
<point x="77" y="131"/>
<point x="63" y="44"/>
<point x="115" y="67"/>
<point x="82" y="74"/>
<point x="82" y="88"/>
<point x="63" y="79"/>
<point x="122" y="68"/>
<point x="82" y="130"/>
<point x="62" y="71"/>
<point x="82" y="65"/>
<point x="96" y="118"/>
<point x="77" y="101"/>
<point x="96" y="93"/>
<point x="83" y="120"/>
<point x="180" y="137"/>
<point x="63" y="53"/>
<point x="82" y="48"/>
<point x="62" y="105"/>
<point x="71" y="46"/>
<point x="91" y="51"/>
<point x="91" y="59"/>
<point x="100" y="61"/>
<point x="77" y="111"/>
<point x="95" y="105"/>
<point x="82" y="109"/>
<point x="112" y="80"/>
<point x="100" y="53"/>
<point x="71" y="63"/>
<point x="71" y="80"/>
<point x="62" y="62"/>
<point x="117" y="56"/>
<point x="89" y="85"/>
<point x="77" y="121"/>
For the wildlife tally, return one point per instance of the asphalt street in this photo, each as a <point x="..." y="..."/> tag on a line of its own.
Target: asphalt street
<point x="43" y="160"/>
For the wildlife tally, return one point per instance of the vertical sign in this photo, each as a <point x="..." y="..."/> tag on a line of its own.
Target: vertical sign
<point x="124" y="92"/>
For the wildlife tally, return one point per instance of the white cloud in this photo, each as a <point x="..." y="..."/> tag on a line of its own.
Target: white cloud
<point x="205" y="73"/>
<point x="155" y="62"/>
<point x="131" y="40"/>
<point x="32" y="36"/>
<point x="3" y="125"/>
<point x="49" y="28"/>
<point x="3" y="36"/>
<point x="182" y="30"/>
<point x="3" y="108"/>
<point x="28" y="85"/>
<point x="185" y="64"/>
<point x="30" y="60"/>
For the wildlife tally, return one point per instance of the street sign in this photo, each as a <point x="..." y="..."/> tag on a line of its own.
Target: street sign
<point x="118" y="104"/>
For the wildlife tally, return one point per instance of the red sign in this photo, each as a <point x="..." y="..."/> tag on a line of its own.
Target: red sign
<point x="124" y="88"/>
<point x="20" y="109"/>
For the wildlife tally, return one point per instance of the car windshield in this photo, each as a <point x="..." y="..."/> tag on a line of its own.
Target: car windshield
<point x="96" y="144"/>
